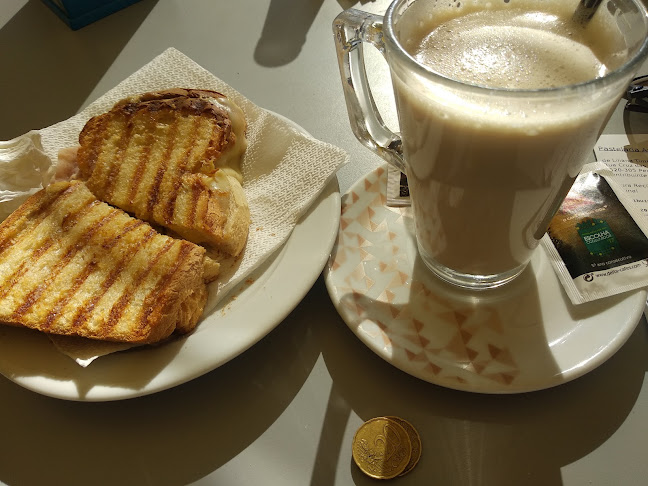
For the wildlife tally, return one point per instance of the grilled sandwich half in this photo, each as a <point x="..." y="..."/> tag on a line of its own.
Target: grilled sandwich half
<point x="73" y="265"/>
<point x="172" y="158"/>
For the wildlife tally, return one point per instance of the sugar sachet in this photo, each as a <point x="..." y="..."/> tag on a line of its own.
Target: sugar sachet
<point x="597" y="241"/>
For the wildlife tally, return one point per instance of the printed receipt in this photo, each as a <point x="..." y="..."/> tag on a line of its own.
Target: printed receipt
<point x="627" y="158"/>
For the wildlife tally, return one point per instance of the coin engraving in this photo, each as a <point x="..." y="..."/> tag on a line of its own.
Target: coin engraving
<point x="382" y="448"/>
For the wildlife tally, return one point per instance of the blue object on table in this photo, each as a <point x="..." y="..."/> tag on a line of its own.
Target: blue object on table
<point x="79" y="13"/>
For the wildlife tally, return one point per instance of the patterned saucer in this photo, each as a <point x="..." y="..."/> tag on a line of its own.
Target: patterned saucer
<point x="521" y="337"/>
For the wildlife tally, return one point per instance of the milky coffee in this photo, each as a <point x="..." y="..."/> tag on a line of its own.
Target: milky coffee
<point x="486" y="172"/>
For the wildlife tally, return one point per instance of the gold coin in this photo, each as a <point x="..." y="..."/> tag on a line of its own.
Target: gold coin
<point x="415" y="440"/>
<point x="381" y="448"/>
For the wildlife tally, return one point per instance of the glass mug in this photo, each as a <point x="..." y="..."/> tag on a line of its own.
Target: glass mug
<point x="488" y="166"/>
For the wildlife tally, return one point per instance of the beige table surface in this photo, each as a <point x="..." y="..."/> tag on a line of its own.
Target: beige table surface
<point x="284" y="412"/>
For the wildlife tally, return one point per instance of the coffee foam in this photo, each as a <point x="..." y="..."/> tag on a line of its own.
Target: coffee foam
<point x="506" y="49"/>
<point x="438" y="27"/>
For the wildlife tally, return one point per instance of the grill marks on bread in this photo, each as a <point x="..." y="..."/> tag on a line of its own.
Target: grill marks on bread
<point x="35" y="294"/>
<point x="72" y="265"/>
<point x="155" y="156"/>
<point x="195" y="144"/>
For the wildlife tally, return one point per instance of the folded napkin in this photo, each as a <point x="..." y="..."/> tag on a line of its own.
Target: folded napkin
<point x="284" y="169"/>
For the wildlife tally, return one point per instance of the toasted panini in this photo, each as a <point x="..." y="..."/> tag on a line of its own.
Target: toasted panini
<point x="172" y="158"/>
<point x="73" y="265"/>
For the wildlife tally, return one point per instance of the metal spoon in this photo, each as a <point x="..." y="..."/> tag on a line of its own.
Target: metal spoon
<point x="585" y="11"/>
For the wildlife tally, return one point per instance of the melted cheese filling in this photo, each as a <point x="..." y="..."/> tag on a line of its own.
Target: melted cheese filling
<point x="230" y="160"/>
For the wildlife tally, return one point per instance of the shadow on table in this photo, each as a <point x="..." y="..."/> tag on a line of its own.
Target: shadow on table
<point x="52" y="69"/>
<point x="477" y="438"/>
<point x="173" y="437"/>
<point x="286" y="27"/>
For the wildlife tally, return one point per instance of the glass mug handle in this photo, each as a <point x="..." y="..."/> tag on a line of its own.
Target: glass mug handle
<point x="351" y="29"/>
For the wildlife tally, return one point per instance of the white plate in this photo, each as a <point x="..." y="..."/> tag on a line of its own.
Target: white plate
<point x="522" y="337"/>
<point x="243" y="318"/>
